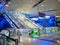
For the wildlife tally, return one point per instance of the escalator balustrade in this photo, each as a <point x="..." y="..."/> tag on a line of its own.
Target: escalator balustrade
<point x="3" y="23"/>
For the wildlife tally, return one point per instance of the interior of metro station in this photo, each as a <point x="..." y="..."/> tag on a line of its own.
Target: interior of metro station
<point x="29" y="22"/>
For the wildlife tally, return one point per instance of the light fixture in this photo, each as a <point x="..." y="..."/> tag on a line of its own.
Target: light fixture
<point x="21" y="40"/>
<point x="9" y="2"/>
<point x="58" y="41"/>
<point x="47" y="17"/>
<point x="58" y="0"/>
<point x="42" y="5"/>
<point x="6" y="5"/>
<point x="34" y="18"/>
<point x="57" y="16"/>
<point x="50" y="9"/>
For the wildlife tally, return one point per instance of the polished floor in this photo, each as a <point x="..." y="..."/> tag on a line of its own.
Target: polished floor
<point x="31" y="41"/>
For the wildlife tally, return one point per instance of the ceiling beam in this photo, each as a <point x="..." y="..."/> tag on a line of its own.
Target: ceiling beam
<point x="38" y="3"/>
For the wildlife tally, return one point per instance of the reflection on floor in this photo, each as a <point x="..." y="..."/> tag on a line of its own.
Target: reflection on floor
<point x="30" y="41"/>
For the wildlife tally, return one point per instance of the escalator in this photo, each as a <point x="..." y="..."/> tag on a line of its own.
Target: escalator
<point x="20" y="18"/>
<point x="7" y="40"/>
<point x="7" y="23"/>
<point x="14" y="21"/>
<point x="4" y="24"/>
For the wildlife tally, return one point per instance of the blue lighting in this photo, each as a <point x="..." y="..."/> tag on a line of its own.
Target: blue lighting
<point x="47" y="21"/>
<point x="3" y="23"/>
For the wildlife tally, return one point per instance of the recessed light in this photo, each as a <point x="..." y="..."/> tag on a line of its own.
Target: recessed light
<point x="50" y="9"/>
<point x="42" y="5"/>
<point x="6" y="5"/>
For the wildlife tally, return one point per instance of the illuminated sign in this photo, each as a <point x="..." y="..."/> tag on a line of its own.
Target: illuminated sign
<point x="34" y="33"/>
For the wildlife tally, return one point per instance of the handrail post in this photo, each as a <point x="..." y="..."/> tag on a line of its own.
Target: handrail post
<point x="16" y="42"/>
<point x="4" y="41"/>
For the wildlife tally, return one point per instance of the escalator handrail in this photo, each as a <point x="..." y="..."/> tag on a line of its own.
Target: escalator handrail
<point x="11" y="20"/>
<point x="15" y="40"/>
<point x="32" y="22"/>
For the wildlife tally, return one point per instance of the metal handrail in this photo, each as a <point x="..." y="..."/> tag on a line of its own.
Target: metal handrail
<point x="25" y="26"/>
<point x="15" y="40"/>
<point x="36" y="25"/>
<point x="31" y="21"/>
<point x="11" y="20"/>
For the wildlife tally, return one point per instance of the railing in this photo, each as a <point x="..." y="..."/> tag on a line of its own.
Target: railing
<point x="7" y="37"/>
<point x="14" y="18"/>
<point x="11" y="20"/>
<point x="41" y="34"/>
<point x="35" y="32"/>
<point x="37" y="26"/>
<point x="23" y="20"/>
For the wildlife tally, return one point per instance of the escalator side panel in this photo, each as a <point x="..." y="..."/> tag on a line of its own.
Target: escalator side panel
<point x="10" y="22"/>
<point x="4" y="24"/>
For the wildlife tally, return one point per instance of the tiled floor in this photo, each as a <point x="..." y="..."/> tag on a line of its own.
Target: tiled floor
<point x="31" y="41"/>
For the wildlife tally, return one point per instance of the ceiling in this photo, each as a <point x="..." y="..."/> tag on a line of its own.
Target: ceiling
<point x="21" y="4"/>
<point x="49" y="5"/>
<point x="0" y="0"/>
<point x="26" y="5"/>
